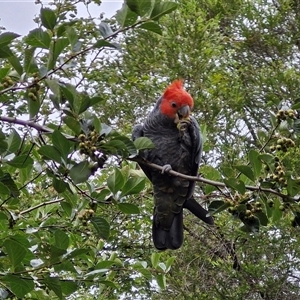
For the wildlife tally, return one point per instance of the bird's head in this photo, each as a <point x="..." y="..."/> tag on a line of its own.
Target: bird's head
<point x="176" y="103"/>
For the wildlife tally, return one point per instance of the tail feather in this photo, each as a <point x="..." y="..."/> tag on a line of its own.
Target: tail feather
<point x="194" y="207"/>
<point x="168" y="239"/>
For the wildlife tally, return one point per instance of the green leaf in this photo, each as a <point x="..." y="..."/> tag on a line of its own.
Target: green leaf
<point x="7" y="37"/>
<point x="130" y="147"/>
<point x="73" y="38"/>
<point x="33" y="106"/>
<point x="73" y="124"/>
<point x="16" y="251"/>
<point x="128" y="208"/>
<point x="15" y="62"/>
<point x="162" y="8"/>
<point x="116" y="147"/>
<point x="109" y="283"/>
<point x="77" y="252"/>
<point x="103" y="43"/>
<point x="5" y="52"/>
<point x="161" y="281"/>
<point x="146" y="273"/>
<point x="2" y="135"/>
<point x="85" y="103"/>
<point x="276" y="213"/>
<point x="80" y="172"/>
<point x="95" y="100"/>
<point x="25" y="174"/>
<point x="69" y="91"/>
<point x="4" y="190"/>
<point x="30" y="65"/>
<point x="151" y="26"/>
<point x="296" y="106"/>
<point x="115" y="181"/>
<point x="48" y="18"/>
<point x="247" y="171"/>
<point x="142" y="143"/>
<point x="140" y="7"/>
<point x="97" y="272"/>
<point x="235" y="184"/>
<point x="169" y="263"/>
<point x="56" y="254"/>
<point x="53" y="283"/>
<point x="217" y="206"/>
<point x="105" y="29"/>
<point x="102" y="195"/>
<point x="61" y="239"/>
<point x="68" y="287"/>
<point x="266" y="158"/>
<point x="102" y="227"/>
<point x="18" y="286"/>
<point x="255" y="162"/>
<point x="21" y="161"/>
<point x="211" y="173"/>
<point x="126" y="17"/>
<point x="66" y="207"/>
<point x="155" y="256"/>
<point x="59" y="185"/>
<point x="296" y="126"/>
<point x="252" y="224"/>
<point x="293" y="187"/>
<point x="263" y="219"/>
<point x="54" y="86"/>
<point x="61" y="29"/>
<point x="61" y="143"/>
<point x="162" y="266"/>
<point x="133" y="186"/>
<point x="13" y="142"/>
<point x="38" y="38"/>
<point x="3" y="146"/>
<point x="50" y="152"/>
<point x="10" y="184"/>
<point x="105" y="264"/>
<point x="4" y="72"/>
<point x="56" y="49"/>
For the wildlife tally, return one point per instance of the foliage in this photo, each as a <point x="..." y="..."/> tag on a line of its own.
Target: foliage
<point x="75" y="211"/>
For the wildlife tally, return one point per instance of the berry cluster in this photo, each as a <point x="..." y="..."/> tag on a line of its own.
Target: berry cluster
<point x="88" y="142"/>
<point x="85" y="215"/>
<point x="278" y="176"/>
<point x="282" y="144"/>
<point x="88" y="146"/>
<point x="284" y="114"/>
<point x="244" y="212"/>
<point x="7" y="82"/>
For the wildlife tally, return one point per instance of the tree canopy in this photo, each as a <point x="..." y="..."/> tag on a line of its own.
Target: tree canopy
<point x="75" y="209"/>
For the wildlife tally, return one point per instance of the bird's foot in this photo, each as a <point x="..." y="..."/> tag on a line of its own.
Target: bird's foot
<point x="183" y="124"/>
<point x="166" y="169"/>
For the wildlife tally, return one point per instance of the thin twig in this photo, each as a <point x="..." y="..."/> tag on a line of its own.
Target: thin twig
<point x="26" y="211"/>
<point x="60" y="67"/>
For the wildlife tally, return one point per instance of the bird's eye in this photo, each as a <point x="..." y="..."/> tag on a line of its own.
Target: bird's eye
<point x="174" y="104"/>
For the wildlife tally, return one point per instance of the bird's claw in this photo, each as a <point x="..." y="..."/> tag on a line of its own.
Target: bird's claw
<point x="166" y="169"/>
<point x="183" y="124"/>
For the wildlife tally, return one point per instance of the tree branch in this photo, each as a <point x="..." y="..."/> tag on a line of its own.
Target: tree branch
<point x="45" y="129"/>
<point x="212" y="182"/>
<point x="36" y="126"/>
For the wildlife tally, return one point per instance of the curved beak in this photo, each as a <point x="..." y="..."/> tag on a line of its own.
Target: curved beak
<point x="184" y="111"/>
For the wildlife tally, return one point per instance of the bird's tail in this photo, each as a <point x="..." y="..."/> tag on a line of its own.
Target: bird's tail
<point x="194" y="207"/>
<point x="168" y="239"/>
